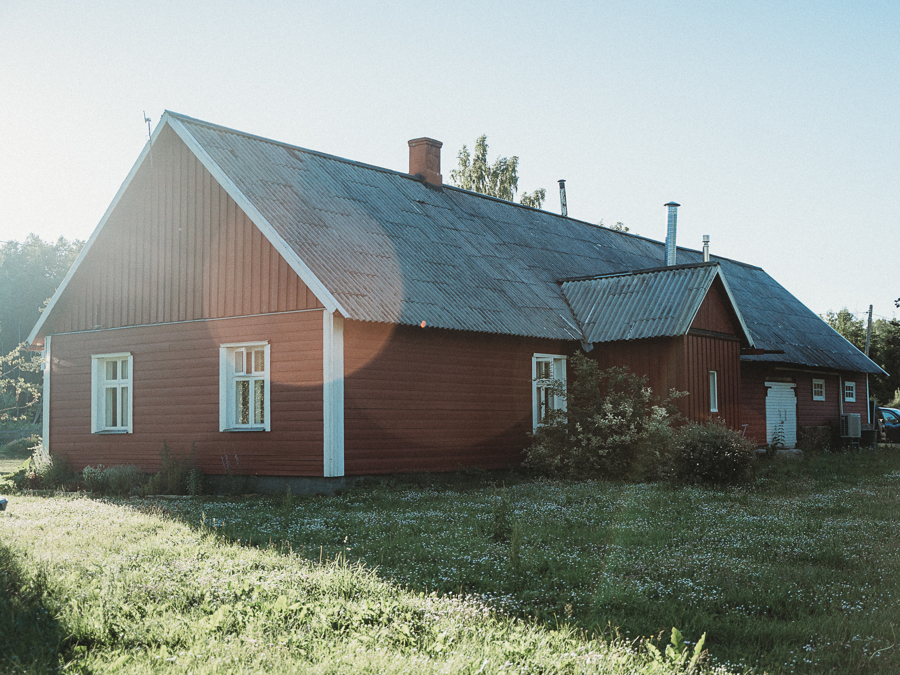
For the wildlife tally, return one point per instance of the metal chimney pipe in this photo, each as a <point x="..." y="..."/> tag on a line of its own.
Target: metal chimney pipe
<point x="562" y="197"/>
<point x="670" y="232"/>
<point x="705" y="248"/>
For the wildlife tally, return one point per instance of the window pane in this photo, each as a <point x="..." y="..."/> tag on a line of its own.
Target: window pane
<point x="259" y="402"/>
<point x="123" y="407"/>
<point x="111" y="367"/>
<point x="112" y="395"/>
<point x="239" y="360"/>
<point x="123" y="369"/>
<point x="243" y="402"/>
<point x="543" y="370"/>
<point x="259" y="361"/>
<point x="543" y="403"/>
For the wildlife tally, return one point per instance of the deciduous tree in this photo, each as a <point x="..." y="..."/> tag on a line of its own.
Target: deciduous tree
<point x="500" y="179"/>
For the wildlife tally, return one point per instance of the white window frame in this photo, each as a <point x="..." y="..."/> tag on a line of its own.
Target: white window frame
<point x="850" y="392"/>
<point x="713" y="391"/>
<point x="124" y="394"/>
<point x="816" y="383"/>
<point x="228" y="378"/>
<point x="558" y="369"/>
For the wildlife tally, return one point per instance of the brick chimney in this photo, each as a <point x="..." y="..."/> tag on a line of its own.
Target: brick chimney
<point x="425" y="159"/>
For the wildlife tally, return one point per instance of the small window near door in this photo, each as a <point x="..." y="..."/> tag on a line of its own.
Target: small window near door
<point x="818" y="390"/>
<point x="713" y="391"/>
<point x="850" y="392"/>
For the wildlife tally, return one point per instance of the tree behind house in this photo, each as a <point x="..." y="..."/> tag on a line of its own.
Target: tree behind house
<point x="500" y="179"/>
<point x="883" y="350"/>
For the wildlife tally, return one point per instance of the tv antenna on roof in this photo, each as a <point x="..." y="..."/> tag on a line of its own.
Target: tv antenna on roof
<point x="149" y="137"/>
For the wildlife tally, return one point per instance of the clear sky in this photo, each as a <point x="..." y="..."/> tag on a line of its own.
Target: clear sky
<point x="774" y="124"/>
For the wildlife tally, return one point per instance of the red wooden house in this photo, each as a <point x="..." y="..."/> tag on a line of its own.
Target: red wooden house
<point x="320" y="317"/>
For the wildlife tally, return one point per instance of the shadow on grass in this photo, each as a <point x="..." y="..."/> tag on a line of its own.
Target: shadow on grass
<point x="30" y="638"/>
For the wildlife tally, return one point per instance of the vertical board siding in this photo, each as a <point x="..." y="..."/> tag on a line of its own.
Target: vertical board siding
<point x="176" y="395"/>
<point x="435" y="400"/>
<point x="658" y="359"/>
<point x="704" y="354"/>
<point x="715" y="313"/>
<point x="177" y="248"/>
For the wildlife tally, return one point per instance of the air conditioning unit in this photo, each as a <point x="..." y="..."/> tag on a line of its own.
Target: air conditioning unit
<point x="851" y="426"/>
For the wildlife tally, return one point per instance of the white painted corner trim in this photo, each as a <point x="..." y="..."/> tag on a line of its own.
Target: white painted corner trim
<point x="45" y="397"/>
<point x="333" y="393"/>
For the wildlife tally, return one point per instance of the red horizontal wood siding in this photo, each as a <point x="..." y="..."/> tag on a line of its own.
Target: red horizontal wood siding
<point x="175" y="383"/>
<point x="753" y="399"/>
<point x="810" y="413"/>
<point x="860" y="405"/>
<point x="176" y="247"/>
<point x="435" y="400"/>
<point x="817" y="413"/>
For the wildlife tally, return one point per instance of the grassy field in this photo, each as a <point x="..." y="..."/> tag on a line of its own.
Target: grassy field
<point x="798" y="572"/>
<point x="97" y="587"/>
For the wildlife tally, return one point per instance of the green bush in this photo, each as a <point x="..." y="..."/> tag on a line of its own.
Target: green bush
<point x="46" y="471"/>
<point x="94" y="479"/>
<point x="711" y="453"/>
<point x="20" y="448"/>
<point x="815" y="440"/>
<point x="612" y="427"/>
<point x="122" y="479"/>
<point x="177" y="476"/>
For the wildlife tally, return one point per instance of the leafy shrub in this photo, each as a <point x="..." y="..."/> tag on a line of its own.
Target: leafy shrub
<point x="711" y="453"/>
<point x="613" y="426"/>
<point x="177" y="476"/>
<point x="119" y="480"/>
<point x="94" y="478"/>
<point x="20" y="448"/>
<point x="815" y="440"/>
<point x="47" y="472"/>
<point x="122" y="479"/>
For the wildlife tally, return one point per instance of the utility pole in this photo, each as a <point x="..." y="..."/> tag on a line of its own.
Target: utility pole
<point x="869" y="331"/>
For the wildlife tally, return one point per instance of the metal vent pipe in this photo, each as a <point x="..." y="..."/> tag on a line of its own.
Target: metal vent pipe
<point x="564" y="208"/>
<point x="670" y="232"/>
<point x="705" y="248"/>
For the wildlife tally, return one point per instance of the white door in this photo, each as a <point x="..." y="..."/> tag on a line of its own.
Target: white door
<point x="781" y="413"/>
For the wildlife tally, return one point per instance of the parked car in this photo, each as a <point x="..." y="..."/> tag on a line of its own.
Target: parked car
<point x="891" y="420"/>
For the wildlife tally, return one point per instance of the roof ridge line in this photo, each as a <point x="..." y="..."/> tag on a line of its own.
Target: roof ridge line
<point x="648" y="270"/>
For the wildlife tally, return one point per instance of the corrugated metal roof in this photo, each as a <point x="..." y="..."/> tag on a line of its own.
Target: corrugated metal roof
<point x="390" y="248"/>
<point x="647" y="304"/>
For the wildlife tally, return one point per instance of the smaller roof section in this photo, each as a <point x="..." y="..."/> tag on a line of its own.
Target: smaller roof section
<point x="659" y="302"/>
